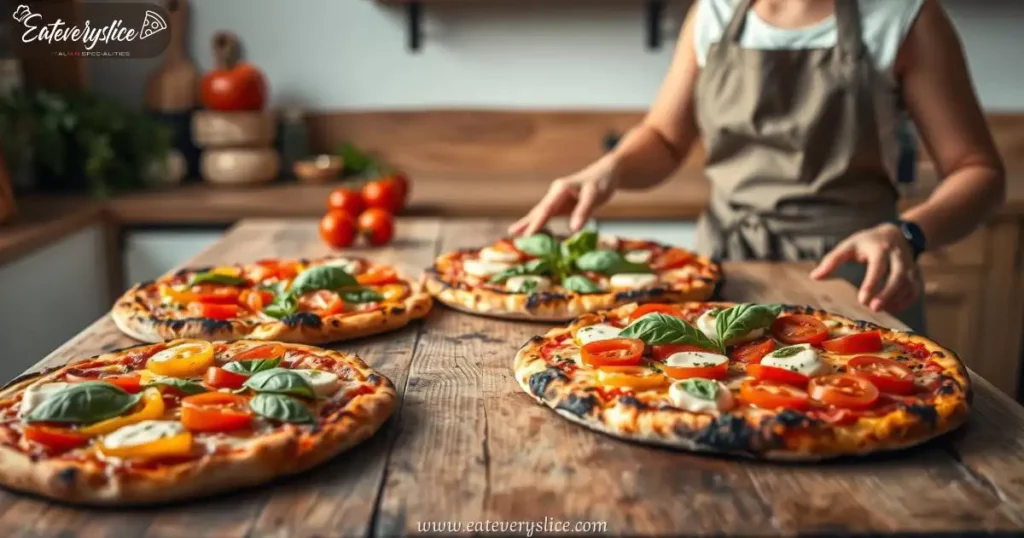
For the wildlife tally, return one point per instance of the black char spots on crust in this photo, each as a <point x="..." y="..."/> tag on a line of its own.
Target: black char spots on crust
<point x="639" y="295"/>
<point x="67" y="476"/>
<point x="578" y="405"/>
<point x="539" y="381"/>
<point x="926" y="413"/>
<point x="727" y="433"/>
<point x="306" y="319"/>
<point x="631" y="401"/>
<point x="543" y="297"/>
<point x="209" y="324"/>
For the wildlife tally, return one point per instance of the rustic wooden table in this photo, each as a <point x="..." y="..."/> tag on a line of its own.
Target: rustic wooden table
<point x="467" y="446"/>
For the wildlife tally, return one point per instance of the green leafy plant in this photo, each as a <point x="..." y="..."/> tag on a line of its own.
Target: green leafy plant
<point x="82" y="140"/>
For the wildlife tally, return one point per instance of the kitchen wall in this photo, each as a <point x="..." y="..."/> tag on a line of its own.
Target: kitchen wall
<point x="333" y="54"/>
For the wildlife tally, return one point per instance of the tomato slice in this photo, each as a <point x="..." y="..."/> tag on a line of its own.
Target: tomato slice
<point x="836" y="415"/>
<point x="277" y="269"/>
<point x="255" y="300"/>
<point x="378" y="276"/>
<point x="214" y="294"/>
<point x="220" y="378"/>
<point x="613" y="352"/>
<point x="844" y="390"/>
<point x="885" y="374"/>
<point x="661" y="352"/>
<point x="673" y="258"/>
<point x="772" y="395"/>
<point x="213" y="310"/>
<point x="322" y="303"/>
<point x="779" y="375"/>
<point x="645" y="309"/>
<point x="718" y="371"/>
<point x="868" y="342"/>
<point x="127" y="382"/>
<point x="263" y="352"/>
<point x="59" y="439"/>
<point x="215" y="412"/>
<point x="799" y="329"/>
<point x="633" y="377"/>
<point x="752" y="352"/>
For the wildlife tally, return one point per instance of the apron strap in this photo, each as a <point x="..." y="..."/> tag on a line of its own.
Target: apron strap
<point x="848" y="38"/>
<point x="735" y="28"/>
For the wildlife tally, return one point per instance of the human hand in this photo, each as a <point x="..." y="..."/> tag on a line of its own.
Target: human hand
<point x="883" y="249"/>
<point x="578" y="195"/>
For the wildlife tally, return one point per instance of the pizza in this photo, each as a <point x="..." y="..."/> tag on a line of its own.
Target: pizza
<point x="540" y="277"/>
<point x="304" y="301"/>
<point x="183" y="419"/>
<point x="764" y="381"/>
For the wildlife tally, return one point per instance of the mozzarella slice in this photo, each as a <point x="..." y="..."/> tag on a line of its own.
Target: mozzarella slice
<point x="695" y="359"/>
<point x="633" y="280"/>
<point x="492" y="254"/>
<point x="804" y="359"/>
<point x="638" y="256"/>
<point x="483" y="268"/>
<point x="595" y="333"/>
<point x="347" y="265"/>
<point x="697" y="403"/>
<point x="143" y="432"/>
<point x="324" y="383"/>
<point x="37" y="394"/>
<point x="707" y="324"/>
<point x="516" y="284"/>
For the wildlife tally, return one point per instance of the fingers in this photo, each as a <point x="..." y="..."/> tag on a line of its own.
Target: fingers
<point x="878" y="264"/>
<point x="843" y="253"/>
<point x="896" y="284"/>
<point x="587" y="197"/>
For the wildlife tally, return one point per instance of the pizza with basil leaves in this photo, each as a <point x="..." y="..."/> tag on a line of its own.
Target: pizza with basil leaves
<point x="540" y="277"/>
<point x="764" y="381"/>
<point x="304" y="301"/>
<point x="184" y="419"/>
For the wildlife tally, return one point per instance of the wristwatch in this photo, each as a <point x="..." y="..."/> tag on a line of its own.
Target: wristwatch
<point x="914" y="236"/>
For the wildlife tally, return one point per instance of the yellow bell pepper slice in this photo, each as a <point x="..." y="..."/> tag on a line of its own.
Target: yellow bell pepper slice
<point x="152" y="409"/>
<point x="175" y="295"/>
<point x="227" y="271"/>
<point x="175" y="445"/>
<point x="633" y="377"/>
<point x="392" y="292"/>
<point x="183" y="358"/>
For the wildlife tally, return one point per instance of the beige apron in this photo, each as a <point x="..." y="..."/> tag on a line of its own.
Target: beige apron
<point x="801" y="147"/>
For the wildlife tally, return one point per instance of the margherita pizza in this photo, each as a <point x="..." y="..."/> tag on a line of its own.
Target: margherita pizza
<point x="541" y="278"/>
<point x="184" y="419"/>
<point x="305" y="301"/>
<point x="773" y="382"/>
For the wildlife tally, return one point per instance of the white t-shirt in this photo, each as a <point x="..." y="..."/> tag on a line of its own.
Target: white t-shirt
<point x="884" y="25"/>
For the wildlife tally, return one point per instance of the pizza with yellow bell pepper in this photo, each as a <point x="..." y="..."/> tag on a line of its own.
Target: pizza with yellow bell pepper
<point x="764" y="381"/>
<point x="184" y="419"/>
<point x="304" y="301"/>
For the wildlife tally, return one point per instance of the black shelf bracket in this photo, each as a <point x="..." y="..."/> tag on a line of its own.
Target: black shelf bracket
<point x="414" y="22"/>
<point x="655" y="11"/>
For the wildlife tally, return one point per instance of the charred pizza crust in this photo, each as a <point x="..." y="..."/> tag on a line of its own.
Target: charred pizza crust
<point x="83" y="477"/>
<point x="787" y="435"/>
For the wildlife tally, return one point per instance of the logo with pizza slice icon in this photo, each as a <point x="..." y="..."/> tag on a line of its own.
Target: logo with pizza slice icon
<point x="152" y="24"/>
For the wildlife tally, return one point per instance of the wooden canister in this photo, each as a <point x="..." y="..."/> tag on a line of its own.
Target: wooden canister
<point x="241" y="129"/>
<point x="173" y="87"/>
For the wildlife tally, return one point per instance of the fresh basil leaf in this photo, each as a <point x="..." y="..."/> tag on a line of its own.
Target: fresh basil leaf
<point x="532" y="267"/>
<point x="737" y="321"/>
<point x="281" y="408"/>
<point x="84" y="403"/>
<point x="701" y="388"/>
<point x="252" y="367"/>
<point x="322" y="277"/>
<point x="609" y="262"/>
<point x="183" y="385"/>
<point x="527" y="286"/>
<point x="284" y="305"/>
<point x="280" y="381"/>
<point x="542" y="245"/>
<point x="785" y="352"/>
<point x="580" y="284"/>
<point x="216" y="278"/>
<point x="657" y="328"/>
<point x="360" y="295"/>
<point x="579" y="244"/>
<point x="277" y="288"/>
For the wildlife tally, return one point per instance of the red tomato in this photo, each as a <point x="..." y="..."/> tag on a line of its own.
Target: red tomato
<point x="213" y="310"/>
<point x="506" y="245"/>
<point x="255" y="300"/>
<point x="377" y="276"/>
<point x="772" y="395"/>
<point x="781" y="375"/>
<point x="661" y="352"/>
<point x="613" y="352"/>
<point x="127" y="382"/>
<point x="54" y="438"/>
<point x="708" y="372"/>
<point x="215" y="294"/>
<point x="377" y="225"/>
<point x="263" y="352"/>
<point x="886" y="374"/>
<point x="220" y="378"/>
<point x="322" y="302"/>
<point x="868" y="342"/>
<point x="836" y="416"/>
<point x="385" y="195"/>
<point x="844" y="390"/>
<point x="215" y="412"/>
<point x="673" y="258"/>
<point x="401" y="184"/>
<point x="799" y="329"/>
<point x="667" y="309"/>
<point x="338" y="229"/>
<point x="274" y="269"/>
<point x="232" y="85"/>
<point x="346" y="200"/>
<point x="752" y="352"/>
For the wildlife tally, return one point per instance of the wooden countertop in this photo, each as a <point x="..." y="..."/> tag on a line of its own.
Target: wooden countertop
<point x="466" y="444"/>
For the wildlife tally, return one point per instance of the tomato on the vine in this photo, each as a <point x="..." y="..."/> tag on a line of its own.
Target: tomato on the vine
<point x="338" y="229"/>
<point x="377" y="225"/>
<point x="347" y="200"/>
<point x="383" y="194"/>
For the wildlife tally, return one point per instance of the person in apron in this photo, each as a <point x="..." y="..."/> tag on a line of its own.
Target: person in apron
<point x="802" y="147"/>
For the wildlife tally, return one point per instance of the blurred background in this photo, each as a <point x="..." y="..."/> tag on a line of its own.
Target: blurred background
<point x="119" y="168"/>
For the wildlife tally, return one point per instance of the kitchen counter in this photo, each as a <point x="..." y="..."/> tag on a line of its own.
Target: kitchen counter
<point x="466" y="444"/>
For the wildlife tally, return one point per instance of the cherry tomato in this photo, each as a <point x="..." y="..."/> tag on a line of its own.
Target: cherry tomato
<point x="673" y="258"/>
<point x="220" y="378"/>
<point x="752" y="352"/>
<point x="215" y="412"/>
<point x="781" y="375"/>
<point x="886" y="374"/>
<point x="401" y="184"/>
<point x="799" y="329"/>
<point x="346" y="200"/>
<point x="772" y="395"/>
<point x="215" y="294"/>
<point x="255" y="300"/>
<point x="322" y="302"/>
<point x="660" y="352"/>
<point x="377" y="225"/>
<point x="383" y="194"/>
<point x="645" y="309"/>
<point x="262" y="352"/>
<point x="266" y="269"/>
<point x="213" y="310"/>
<point x="868" y="342"/>
<point x="844" y="390"/>
<point x="127" y="382"/>
<point x="613" y="352"/>
<point x="338" y="229"/>
<point x="378" y="276"/>
<point x="59" y="439"/>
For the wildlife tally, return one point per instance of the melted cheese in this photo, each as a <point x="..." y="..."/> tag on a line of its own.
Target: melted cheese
<point x="607" y="242"/>
<point x="684" y="399"/>
<point x="695" y="359"/>
<point x="707" y="323"/>
<point x="324" y="383"/>
<point x="594" y="333"/>
<point x="347" y="265"/>
<point x="807" y="361"/>
<point x="143" y="432"/>
<point x="483" y="268"/>
<point x="638" y="256"/>
<point x="515" y="284"/>
<point x="37" y="394"/>
<point x="633" y="280"/>
<point x="492" y="254"/>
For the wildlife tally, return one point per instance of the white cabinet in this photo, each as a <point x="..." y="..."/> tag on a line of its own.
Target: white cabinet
<point x="149" y="254"/>
<point x="677" y="233"/>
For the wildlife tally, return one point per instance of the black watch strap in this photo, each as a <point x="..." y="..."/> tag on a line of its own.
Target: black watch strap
<point x="914" y="235"/>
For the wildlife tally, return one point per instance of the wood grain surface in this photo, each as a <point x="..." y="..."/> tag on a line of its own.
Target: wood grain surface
<point x="466" y="445"/>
